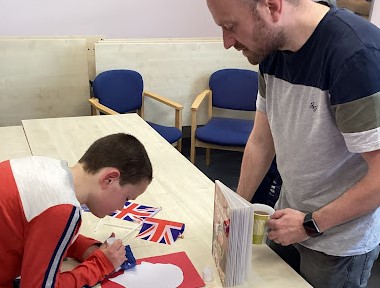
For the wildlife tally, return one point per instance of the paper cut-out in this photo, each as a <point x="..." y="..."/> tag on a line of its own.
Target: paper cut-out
<point x="190" y="277"/>
<point x="148" y="275"/>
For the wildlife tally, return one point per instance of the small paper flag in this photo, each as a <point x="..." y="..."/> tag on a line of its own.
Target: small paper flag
<point x="161" y="231"/>
<point x="135" y="212"/>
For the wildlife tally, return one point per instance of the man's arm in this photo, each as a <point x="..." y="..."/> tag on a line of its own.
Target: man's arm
<point x="258" y="156"/>
<point x="361" y="7"/>
<point x="362" y="198"/>
<point x="359" y="200"/>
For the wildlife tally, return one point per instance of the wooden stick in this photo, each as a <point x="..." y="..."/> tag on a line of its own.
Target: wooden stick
<point x="115" y="225"/>
<point x="97" y="226"/>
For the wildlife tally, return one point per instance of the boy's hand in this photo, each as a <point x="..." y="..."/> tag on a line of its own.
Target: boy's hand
<point x="115" y="252"/>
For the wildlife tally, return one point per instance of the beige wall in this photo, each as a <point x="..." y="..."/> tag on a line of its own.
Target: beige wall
<point x="42" y="78"/>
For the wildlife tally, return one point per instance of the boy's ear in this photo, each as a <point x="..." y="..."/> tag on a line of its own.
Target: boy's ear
<point x="107" y="176"/>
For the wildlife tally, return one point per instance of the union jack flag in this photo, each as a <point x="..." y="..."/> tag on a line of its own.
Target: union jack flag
<point x="134" y="212"/>
<point x="161" y="231"/>
<point x="84" y="208"/>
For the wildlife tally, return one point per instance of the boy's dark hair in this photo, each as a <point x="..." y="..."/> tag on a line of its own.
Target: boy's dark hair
<point x="121" y="151"/>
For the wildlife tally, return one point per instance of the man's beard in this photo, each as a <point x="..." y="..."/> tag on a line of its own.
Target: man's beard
<point x="270" y="41"/>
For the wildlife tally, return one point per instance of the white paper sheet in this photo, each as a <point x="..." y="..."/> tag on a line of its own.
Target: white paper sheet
<point x="148" y="275"/>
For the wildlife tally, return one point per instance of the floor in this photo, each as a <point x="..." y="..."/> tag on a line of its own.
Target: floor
<point x="225" y="166"/>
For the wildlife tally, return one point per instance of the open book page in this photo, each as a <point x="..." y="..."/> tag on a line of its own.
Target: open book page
<point x="232" y="235"/>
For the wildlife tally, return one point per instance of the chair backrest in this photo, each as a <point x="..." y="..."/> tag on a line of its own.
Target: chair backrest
<point x="120" y="90"/>
<point x="234" y="89"/>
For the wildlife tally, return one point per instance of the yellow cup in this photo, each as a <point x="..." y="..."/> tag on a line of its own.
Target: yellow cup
<point x="261" y="215"/>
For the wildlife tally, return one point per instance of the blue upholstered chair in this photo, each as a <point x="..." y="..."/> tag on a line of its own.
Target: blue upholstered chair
<point x="122" y="91"/>
<point x="233" y="89"/>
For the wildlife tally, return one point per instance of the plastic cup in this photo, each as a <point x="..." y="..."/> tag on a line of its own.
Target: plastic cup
<point x="261" y="216"/>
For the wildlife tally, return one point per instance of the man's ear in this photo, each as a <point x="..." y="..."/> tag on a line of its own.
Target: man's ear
<point x="275" y="8"/>
<point x="107" y="176"/>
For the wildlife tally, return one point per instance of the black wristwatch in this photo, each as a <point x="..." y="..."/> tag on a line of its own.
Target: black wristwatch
<point x="310" y="226"/>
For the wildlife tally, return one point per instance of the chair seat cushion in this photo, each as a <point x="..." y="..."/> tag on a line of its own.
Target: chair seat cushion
<point x="225" y="131"/>
<point x="171" y="134"/>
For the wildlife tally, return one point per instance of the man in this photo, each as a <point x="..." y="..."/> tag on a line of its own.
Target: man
<point x="317" y="110"/>
<point x="40" y="212"/>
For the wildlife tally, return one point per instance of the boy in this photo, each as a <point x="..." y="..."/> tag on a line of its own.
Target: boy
<point x="40" y="212"/>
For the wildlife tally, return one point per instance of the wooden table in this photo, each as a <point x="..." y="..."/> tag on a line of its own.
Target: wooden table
<point x="13" y="143"/>
<point x="184" y="193"/>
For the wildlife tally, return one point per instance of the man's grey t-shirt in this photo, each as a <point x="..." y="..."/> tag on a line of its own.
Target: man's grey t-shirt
<point x="323" y="107"/>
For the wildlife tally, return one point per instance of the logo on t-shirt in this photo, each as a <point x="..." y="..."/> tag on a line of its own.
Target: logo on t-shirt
<point x="313" y="106"/>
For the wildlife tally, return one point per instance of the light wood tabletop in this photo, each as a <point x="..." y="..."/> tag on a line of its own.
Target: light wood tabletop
<point x="185" y="194"/>
<point x="13" y="143"/>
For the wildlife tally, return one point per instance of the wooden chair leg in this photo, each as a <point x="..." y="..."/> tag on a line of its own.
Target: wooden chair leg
<point x="179" y="145"/>
<point x="208" y="152"/>
<point x="192" y="150"/>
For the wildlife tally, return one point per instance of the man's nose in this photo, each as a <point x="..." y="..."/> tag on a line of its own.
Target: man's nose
<point x="228" y="40"/>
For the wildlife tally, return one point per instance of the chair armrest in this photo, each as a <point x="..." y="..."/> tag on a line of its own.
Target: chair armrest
<point x="163" y="100"/>
<point x="199" y="99"/>
<point x="194" y="109"/>
<point x="178" y="107"/>
<point x="100" y="107"/>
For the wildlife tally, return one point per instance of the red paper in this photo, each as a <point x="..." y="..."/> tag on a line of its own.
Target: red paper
<point x="191" y="277"/>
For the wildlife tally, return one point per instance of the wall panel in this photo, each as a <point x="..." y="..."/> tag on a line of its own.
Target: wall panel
<point x="178" y="69"/>
<point x="41" y="78"/>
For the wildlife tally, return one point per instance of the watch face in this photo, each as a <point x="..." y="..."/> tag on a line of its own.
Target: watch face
<point x="311" y="228"/>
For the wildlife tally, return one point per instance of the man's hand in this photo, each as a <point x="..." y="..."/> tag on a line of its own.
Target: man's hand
<point x="286" y="227"/>
<point x="114" y="252"/>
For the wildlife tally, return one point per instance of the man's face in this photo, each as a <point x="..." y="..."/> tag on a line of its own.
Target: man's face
<point x="247" y="30"/>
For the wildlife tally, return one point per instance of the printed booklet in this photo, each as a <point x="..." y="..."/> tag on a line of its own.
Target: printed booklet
<point x="232" y="235"/>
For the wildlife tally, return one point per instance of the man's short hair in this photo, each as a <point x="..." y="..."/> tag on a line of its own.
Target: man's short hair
<point x="123" y="152"/>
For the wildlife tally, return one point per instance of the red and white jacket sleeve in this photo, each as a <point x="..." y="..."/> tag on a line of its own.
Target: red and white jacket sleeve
<point x="49" y="239"/>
